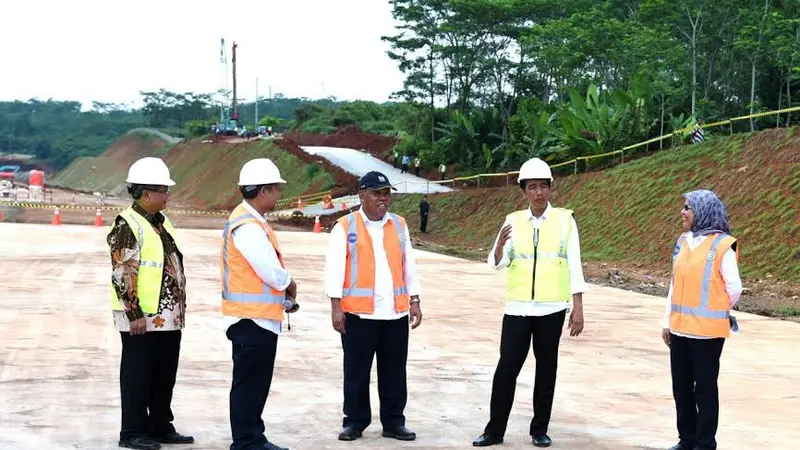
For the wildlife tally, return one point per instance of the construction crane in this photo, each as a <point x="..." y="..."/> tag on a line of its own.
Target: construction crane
<point x="228" y="116"/>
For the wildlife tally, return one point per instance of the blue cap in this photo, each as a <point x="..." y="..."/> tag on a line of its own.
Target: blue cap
<point x="374" y="180"/>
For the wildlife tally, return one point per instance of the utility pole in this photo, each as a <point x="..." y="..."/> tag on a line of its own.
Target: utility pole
<point x="256" y="103"/>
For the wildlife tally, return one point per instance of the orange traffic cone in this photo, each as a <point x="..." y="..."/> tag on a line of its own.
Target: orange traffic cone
<point x="299" y="205"/>
<point x="317" y="226"/>
<point x="98" y="219"/>
<point x="56" y="217"/>
<point x="344" y="206"/>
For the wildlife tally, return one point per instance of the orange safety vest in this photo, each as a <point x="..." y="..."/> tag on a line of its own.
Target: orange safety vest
<point x="244" y="293"/>
<point x="700" y="304"/>
<point x="358" y="295"/>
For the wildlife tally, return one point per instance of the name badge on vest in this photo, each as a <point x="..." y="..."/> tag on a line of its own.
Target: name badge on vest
<point x="352" y="238"/>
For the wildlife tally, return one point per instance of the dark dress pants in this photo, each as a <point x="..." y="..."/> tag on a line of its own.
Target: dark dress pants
<point x="253" y="363"/>
<point x="363" y="340"/>
<point x="695" y="370"/>
<point x="147" y="372"/>
<point x="516" y="337"/>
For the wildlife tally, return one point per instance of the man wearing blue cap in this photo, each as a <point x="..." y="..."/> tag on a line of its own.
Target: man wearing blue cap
<point x="374" y="292"/>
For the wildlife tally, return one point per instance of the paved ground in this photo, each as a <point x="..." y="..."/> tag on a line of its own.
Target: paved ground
<point x="358" y="163"/>
<point x="59" y="357"/>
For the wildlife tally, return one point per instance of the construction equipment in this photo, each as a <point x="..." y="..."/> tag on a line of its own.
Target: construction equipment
<point x="9" y="172"/>
<point x="228" y="115"/>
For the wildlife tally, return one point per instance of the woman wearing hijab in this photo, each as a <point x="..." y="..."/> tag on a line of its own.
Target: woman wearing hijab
<point x="705" y="286"/>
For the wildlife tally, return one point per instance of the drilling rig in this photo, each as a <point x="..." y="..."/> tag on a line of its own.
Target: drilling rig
<point x="228" y="114"/>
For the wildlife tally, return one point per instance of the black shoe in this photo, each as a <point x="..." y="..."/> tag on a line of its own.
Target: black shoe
<point x="142" y="443"/>
<point x="349" y="434"/>
<point x="270" y="446"/>
<point x="542" y="441"/>
<point x="487" y="439"/>
<point x="680" y="446"/>
<point x="174" y="438"/>
<point x="400" y="433"/>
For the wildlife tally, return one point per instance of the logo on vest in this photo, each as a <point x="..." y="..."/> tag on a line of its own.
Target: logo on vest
<point x="711" y="255"/>
<point x="401" y="236"/>
<point x="352" y="238"/>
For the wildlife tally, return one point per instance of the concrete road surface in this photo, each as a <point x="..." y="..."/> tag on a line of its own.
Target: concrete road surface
<point x="59" y="385"/>
<point x="358" y="163"/>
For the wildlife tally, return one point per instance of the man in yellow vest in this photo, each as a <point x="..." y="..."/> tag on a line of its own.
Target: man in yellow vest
<point x="372" y="282"/>
<point x="256" y="292"/>
<point x="540" y="247"/>
<point x="148" y="299"/>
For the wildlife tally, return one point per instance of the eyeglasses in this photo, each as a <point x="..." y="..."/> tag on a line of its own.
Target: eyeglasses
<point x="159" y="189"/>
<point x="687" y="208"/>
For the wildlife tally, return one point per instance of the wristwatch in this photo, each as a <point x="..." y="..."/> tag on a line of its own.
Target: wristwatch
<point x="416" y="300"/>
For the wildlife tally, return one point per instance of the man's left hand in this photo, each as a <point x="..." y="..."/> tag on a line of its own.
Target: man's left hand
<point x="295" y="306"/>
<point x="576" y="321"/>
<point x="416" y="315"/>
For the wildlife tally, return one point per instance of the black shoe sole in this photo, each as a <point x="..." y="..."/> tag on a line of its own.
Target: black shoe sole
<point x="399" y="437"/>
<point x="128" y="445"/>
<point x="486" y="443"/>
<point x="349" y="437"/>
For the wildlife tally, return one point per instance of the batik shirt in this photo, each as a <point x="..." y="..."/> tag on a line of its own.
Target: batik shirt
<point x="125" y="269"/>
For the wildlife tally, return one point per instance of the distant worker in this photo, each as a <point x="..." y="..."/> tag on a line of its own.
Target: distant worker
<point x="442" y="170"/>
<point x="697" y="135"/>
<point x="396" y="156"/>
<point x="371" y="280"/>
<point x="405" y="164"/>
<point x="256" y="291"/>
<point x="541" y="248"/>
<point x="416" y="165"/>
<point x="148" y="297"/>
<point x="424" y="209"/>
<point x="705" y="286"/>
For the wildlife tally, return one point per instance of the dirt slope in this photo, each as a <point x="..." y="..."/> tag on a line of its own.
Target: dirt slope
<point x="205" y="172"/>
<point x="629" y="215"/>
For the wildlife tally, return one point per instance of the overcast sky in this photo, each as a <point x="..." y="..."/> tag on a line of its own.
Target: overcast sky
<point x="101" y="50"/>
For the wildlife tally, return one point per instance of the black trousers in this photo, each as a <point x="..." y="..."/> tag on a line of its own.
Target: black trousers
<point x="147" y="372"/>
<point x="423" y="222"/>
<point x="363" y="340"/>
<point x="695" y="370"/>
<point x="515" y="340"/>
<point x="253" y="350"/>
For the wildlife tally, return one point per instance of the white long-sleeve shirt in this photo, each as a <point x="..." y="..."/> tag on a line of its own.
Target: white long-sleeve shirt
<point x="728" y="269"/>
<point x="336" y="259"/>
<point x="576" y="280"/>
<point x="257" y="249"/>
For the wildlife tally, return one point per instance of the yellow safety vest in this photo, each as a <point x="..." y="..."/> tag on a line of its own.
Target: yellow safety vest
<point x="539" y="259"/>
<point x="151" y="261"/>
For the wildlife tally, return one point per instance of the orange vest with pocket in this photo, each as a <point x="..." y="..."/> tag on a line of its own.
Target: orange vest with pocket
<point x="700" y="304"/>
<point x="244" y="293"/>
<point x="358" y="295"/>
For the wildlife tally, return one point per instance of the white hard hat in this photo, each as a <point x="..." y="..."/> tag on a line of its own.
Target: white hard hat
<point x="259" y="171"/>
<point x="535" y="169"/>
<point x="149" y="170"/>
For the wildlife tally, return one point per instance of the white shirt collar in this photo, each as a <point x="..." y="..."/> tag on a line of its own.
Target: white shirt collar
<point x="252" y="211"/>
<point x="386" y="217"/>
<point x="543" y="216"/>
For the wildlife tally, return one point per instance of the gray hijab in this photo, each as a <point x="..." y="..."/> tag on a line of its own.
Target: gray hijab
<point x="710" y="215"/>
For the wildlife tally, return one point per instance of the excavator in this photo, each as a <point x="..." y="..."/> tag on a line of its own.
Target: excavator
<point x="8" y="172"/>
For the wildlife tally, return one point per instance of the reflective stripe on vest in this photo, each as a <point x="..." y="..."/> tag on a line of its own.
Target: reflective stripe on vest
<point x="353" y="291"/>
<point x="151" y="261"/>
<point x="702" y="310"/>
<point x="267" y="304"/>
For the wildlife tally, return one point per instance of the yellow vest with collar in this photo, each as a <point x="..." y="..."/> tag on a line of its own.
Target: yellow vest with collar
<point x="538" y="268"/>
<point x="151" y="261"/>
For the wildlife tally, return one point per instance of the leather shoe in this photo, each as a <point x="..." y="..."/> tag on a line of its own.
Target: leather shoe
<point x="141" y="442"/>
<point x="542" y="441"/>
<point x="270" y="446"/>
<point x="349" y="434"/>
<point x="400" y="433"/>
<point x="487" y="439"/>
<point x="175" y="438"/>
<point x="681" y="447"/>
